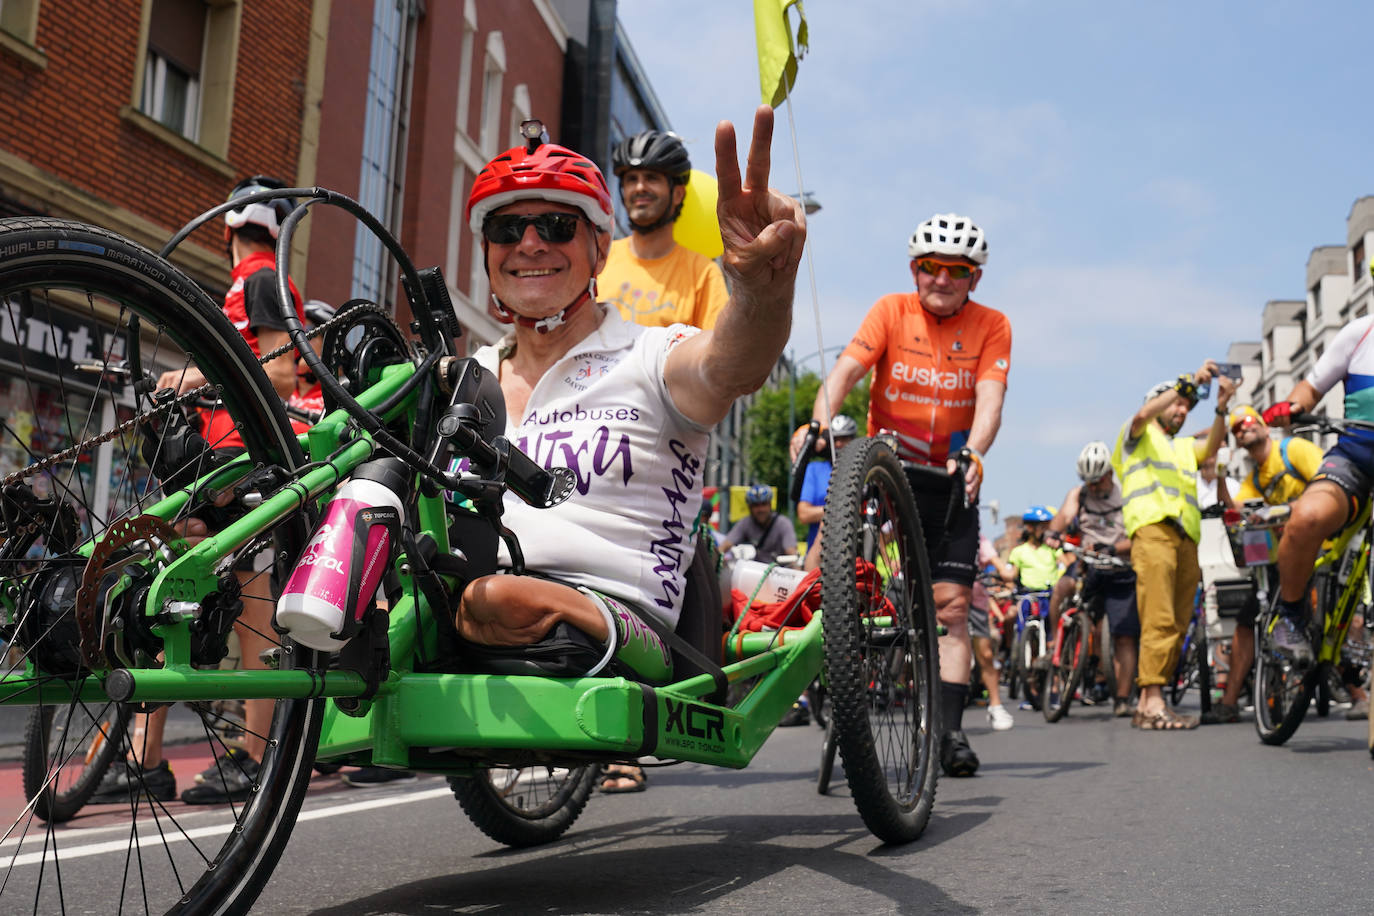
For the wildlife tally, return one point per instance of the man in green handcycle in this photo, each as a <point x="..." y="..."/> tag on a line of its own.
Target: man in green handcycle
<point x="627" y="408"/>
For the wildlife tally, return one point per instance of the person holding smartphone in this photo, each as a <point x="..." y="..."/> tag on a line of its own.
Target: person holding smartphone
<point x="1158" y="472"/>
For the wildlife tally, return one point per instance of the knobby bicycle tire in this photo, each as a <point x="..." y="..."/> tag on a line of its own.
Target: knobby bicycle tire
<point x="883" y="680"/>
<point x="525" y="806"/>
<point x="1063" y="678"/>
<point x="79" y="287"/>
<point x="89" y="737"/>
<point x="1282" y="692"/>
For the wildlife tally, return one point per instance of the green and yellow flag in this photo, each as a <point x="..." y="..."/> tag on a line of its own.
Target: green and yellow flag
<point x="778" y="56"/>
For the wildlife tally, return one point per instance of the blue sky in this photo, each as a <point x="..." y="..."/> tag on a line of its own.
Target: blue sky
<point x="1148" y="175"/>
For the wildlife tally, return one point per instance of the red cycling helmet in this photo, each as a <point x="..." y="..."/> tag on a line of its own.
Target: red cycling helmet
<point x="551" y="172"/>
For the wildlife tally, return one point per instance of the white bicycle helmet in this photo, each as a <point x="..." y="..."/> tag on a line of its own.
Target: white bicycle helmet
<point x="949" y="234"/>
<point x="1094" y="461"/>
<point x="842" y="426"/>
<point x="1157" y="390"/>
<point x="268" y="214"/>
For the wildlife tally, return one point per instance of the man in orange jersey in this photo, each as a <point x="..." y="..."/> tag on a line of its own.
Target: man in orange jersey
<point x="941" y="373"/>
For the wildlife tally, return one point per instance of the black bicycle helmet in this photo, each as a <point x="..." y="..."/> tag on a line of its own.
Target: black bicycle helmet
<point x="656" y="150"/>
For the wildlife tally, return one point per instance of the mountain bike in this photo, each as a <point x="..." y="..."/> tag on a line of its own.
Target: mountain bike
<point x="1339" y="589"/>
<point x="107" y="602"/>
<point x="1076" y="652"/>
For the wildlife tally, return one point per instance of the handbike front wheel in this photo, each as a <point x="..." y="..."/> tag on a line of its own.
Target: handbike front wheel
<point x="85" y="310"/>
<point x="881" y="655"/>
<point x="525" y="806"/>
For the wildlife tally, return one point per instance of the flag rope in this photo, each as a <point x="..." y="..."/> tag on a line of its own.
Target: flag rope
<point x="810" y="265"/>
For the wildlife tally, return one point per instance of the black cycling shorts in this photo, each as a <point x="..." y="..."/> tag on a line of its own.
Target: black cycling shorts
<point x="953" y="558"/>
<point x="1112" y="590"/>
<point x="1346" y="472"/>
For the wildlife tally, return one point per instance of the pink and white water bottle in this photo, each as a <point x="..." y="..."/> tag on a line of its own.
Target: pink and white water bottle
<point x="315" y="601"/>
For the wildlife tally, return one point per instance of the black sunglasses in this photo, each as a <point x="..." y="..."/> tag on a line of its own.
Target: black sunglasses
<point x="509" y="229"/>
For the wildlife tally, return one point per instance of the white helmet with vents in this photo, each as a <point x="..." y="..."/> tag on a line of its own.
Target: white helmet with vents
<point x="949" y="234"/>
<point x="1094" y="461"/>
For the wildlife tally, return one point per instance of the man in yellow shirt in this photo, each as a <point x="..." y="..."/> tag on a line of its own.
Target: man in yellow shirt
<point x="1282" y="470"/>
<point x="649" y="277"/>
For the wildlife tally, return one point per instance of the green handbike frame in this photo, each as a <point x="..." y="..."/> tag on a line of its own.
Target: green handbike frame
<point x="412" y="711"/>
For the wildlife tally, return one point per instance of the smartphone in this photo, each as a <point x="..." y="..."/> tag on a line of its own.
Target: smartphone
<point x="1230" y="370"/>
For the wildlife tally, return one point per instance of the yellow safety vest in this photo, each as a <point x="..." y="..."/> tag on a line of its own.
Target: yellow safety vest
<point x="1158" y="480"/>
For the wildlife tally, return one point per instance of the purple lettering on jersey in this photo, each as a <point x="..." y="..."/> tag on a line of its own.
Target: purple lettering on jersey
<point x="668" y="550"/>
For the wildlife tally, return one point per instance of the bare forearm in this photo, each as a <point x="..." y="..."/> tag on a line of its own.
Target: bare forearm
<point x="808" y="514"/>
<point x="748" y="338"/>
<point x="1151" y="409"/>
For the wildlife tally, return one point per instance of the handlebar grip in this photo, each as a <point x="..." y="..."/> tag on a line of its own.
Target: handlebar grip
<point x="813" y="432"/>
<point x="1305" y="419"/>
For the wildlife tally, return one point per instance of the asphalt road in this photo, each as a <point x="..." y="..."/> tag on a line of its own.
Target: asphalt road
<point x="1085" y="816"/>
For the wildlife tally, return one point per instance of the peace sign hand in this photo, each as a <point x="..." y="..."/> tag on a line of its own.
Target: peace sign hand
<point x="762" y="230"/>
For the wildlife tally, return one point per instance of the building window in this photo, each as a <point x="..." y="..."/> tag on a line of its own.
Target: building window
<point x="1317" y="352"/>
<point x="1269" y="347"/>
<point x="172" y="65"/>
<point x="519" y="111"/>
<point x="383" y="126"/>
<point x="465" y="64"/>
<point x="1317" y="301"/>
<point x="493" y="74"/>
<point x="188" y="56"/>
<point x="1362" y="311"/>
<point x="19" y="18"/>
<point x="1357" y="257"/>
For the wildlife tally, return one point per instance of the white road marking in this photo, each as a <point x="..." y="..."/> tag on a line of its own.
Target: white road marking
<point x="148" y="832"/>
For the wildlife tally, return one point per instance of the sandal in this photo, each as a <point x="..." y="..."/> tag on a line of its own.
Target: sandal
<point x="621" y="773"/>
<point x="1165" y="720"/>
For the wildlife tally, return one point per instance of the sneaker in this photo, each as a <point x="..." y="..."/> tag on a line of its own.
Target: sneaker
<point x="157" y="784"/>
<point x="375" y="776"/>
<point x="1360" y="710"/>
<point x="797" y="715"/>
<point x="956" y="757"/>
<point x="1100" y="693"/>
<point x="1289" y="639"/>
<point x="232" y="778"/>
<point x="1221" y="714"/>
<point x="234" y="758"/>
<point x="999" y="718"/>
<point x="1121" y="709"/>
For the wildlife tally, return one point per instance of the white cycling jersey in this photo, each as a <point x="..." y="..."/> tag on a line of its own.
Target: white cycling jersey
<point x="1349" y="359"/>
<point x="605" y="412"/>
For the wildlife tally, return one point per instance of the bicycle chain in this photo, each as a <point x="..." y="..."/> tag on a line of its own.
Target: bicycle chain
<point x="181" y="400"/>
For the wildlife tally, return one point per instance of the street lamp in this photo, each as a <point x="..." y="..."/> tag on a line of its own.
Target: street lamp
<point x="808" y="201"/>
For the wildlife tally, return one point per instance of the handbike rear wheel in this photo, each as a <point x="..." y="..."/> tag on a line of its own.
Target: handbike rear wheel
<point x="525" y="806"/>
<point x="881" y="655"/>
<point x="75" y="431"/>
<point x="1282" y="692"/>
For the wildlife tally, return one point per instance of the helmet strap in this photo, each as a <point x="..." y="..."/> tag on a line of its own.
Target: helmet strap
<point x="545" y="325"/>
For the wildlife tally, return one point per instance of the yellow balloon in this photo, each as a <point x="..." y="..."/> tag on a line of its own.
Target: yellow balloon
<point x="696" y="228"/>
